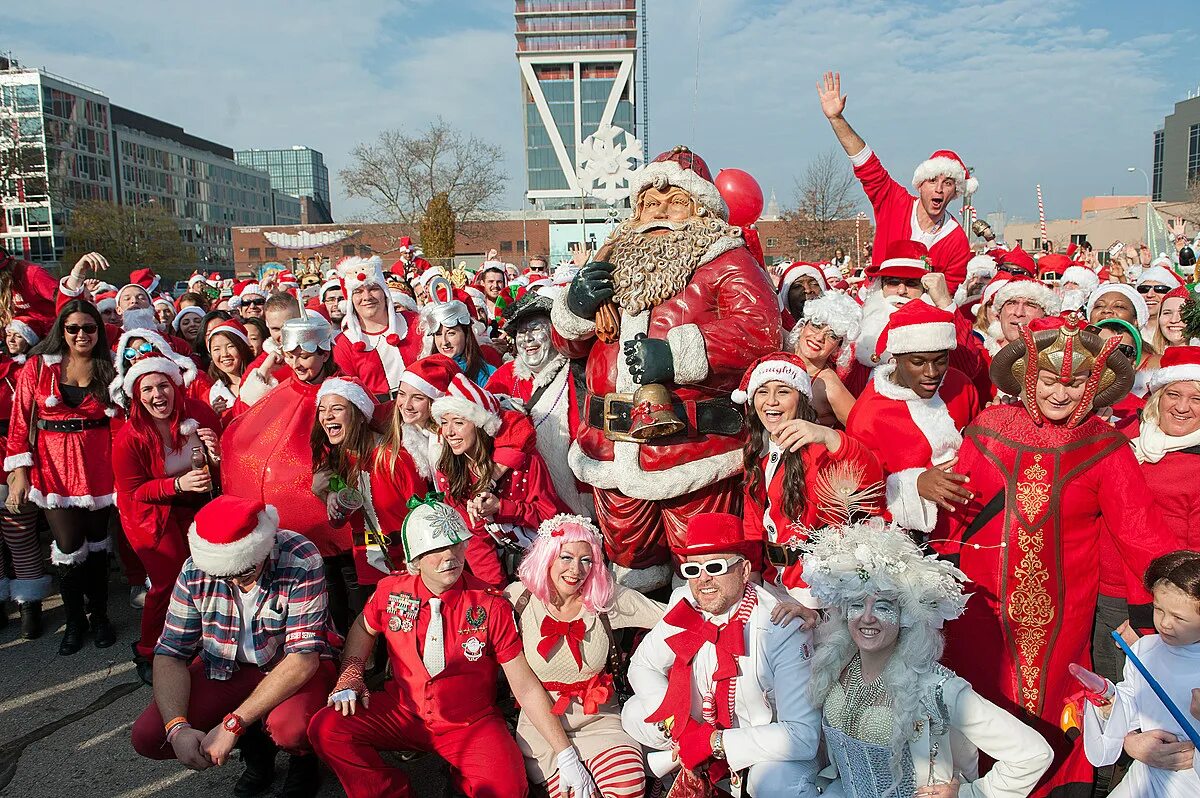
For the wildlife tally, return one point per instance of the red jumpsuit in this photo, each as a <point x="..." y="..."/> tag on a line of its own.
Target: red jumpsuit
<point x="1034" y="566"/>
<point x="453" y="714"/>
<point x="358" y="355"/>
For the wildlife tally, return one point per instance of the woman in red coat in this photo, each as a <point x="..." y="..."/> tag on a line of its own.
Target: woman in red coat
<point x="160" y="481"/>
<point x="65" y="465"/>
<point x="799" y="475"/>
<point x="1048" y="479"/>
<point x="228" y="347"/>
<point x="502" y="508"/>
<point x="346" y="454"/>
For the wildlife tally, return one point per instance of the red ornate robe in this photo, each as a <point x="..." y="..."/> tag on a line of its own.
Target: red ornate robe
<point x="1035" y="573"/>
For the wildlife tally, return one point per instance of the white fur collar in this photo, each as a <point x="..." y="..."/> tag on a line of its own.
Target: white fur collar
<point x="19" y="359"/>
<point x="889" y="389"/>
<point x="543" y="377"/>
<point x="188" y="426"/>
<point x="421" y="445"/>
<point x="931" y="415"/>
<point x="51" y="360"/>
<point x="720" y="247"/>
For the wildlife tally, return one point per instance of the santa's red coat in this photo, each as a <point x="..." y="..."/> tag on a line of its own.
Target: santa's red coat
<point x="896" y="220"/>
<point x="358" y="358"/>
<point x="909" y="434"/>
<point x="725" y="317"/>
<point x="1172" y="480"/>
<point x="1034" y="566"/>
<point x="35" y="292"/>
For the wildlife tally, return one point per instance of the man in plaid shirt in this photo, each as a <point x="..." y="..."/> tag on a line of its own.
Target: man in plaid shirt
<point x="246" y="656"/>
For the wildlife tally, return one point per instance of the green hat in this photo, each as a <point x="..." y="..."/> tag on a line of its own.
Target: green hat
<point x="431" y="525"/>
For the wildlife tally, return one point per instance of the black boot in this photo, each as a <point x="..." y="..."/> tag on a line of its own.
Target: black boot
<point x="144" y="665"/>
<point x="31" y="620"/>
<point x="96" y="588"/>
<point x="70" y="587"/>
<point x="258" y="754"/>
<point x="3" y="613"/>
<point x="303" y="777"/>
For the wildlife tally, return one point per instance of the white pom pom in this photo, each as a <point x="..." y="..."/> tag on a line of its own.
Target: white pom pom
<point x="739" y="396"/>
<point x="52" y="400"/>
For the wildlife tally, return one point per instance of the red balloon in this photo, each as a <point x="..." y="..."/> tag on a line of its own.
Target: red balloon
<point x="742" y="194"/>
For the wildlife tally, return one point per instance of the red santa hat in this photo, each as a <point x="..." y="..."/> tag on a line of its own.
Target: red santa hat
<point x="1160" y="271"/>
<point x="717" y="533"/>
<point x="907" y="260"/>
<point x="682" y="168"/>
<point x="1051" y="266"/>
<point x="466" y="399"/>
<point x="1017" y="258"/>
<point x="328" y="286"/>
<point x="145" y="278"/>
<point x="232" y="327"/>
<point x="164" y="302"/>
<point x="794" y="273"/>
<point x="991" y="289"/>
<point x="244" y="290"/>
<point x="1178" y="363"/>
<point x="946" y="163"/>
<point x="28" y="327"/>
<point x="287" y="278"/>
<point x="406" y="244"/>
<point x="1140" y="309"/>
<point x="431" y="375"/>
<point x="190" y="310"/>
<point x="351" y="390"/>
<point x="981" y="266"/>
<point x="917" y="327"/>
<point x="105" y="301"/>
<point x="776" y="367"/>
<point x="1019" y="287"/>
<point x="231" y="535"/>
<point x="196" y="277"/>
<point x="132" y="287"/>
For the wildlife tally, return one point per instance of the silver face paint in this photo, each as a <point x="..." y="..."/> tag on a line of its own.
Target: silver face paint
<point x="534" y="349"/>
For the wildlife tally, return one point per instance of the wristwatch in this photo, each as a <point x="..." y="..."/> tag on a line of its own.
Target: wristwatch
<point x="718" y="744"/>
<point x="233" y="723"/>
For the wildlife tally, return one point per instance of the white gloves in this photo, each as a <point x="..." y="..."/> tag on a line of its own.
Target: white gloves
<point x="573" y="778"/>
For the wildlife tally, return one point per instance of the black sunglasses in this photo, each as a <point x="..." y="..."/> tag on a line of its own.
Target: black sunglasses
<point x="1009" y="268"/>
<point x="75" y="329"/>
<point x="1158" y="289"/>
<point x="892" y="282"/>
<point x="253" y="303"/>
<point x="1128" y="350"/>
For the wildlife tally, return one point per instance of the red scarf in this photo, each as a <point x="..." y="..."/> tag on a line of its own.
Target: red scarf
<point x="554" y="630"/>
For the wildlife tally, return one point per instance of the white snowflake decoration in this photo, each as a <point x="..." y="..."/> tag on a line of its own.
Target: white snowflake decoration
<point x="605" y="167"/>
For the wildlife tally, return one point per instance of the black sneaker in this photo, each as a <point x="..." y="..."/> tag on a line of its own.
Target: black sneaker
<point x="303" y="777"/>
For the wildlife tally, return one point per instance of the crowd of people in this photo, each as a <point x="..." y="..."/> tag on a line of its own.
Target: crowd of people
<point x="662" y="519"/>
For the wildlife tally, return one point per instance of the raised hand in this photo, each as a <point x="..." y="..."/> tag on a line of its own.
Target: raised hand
<point x="829" y="92"/>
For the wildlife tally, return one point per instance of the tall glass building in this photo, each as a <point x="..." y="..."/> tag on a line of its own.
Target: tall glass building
<point x="579" y="63"/>
<point x="298" y="171"/>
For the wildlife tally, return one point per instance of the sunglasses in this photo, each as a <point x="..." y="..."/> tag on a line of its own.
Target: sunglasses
<point x="142" y="349"/>
<point x="1128" y="351"/>
<point x="892" y="282"/>
<point x="1158" y="289"/>
<point x="694" y="570"/>
<point x="1009" y="268"/>
<point x="1051" y="276"/>
<point x="254" y="303"/>
<point x="75" y="329"/>
<point x="243" y="576"/>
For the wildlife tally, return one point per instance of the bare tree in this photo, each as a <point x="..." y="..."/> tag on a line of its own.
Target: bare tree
<point x="827" y="195"/>
<point x="399" y="174"/>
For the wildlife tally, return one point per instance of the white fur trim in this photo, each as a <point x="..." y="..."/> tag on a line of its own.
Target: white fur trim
<point x="24" y="330"/>
<point x="253" y="387"/>
<point x="476" y="414"/>
<point x="624" y="472"/>
<point x="937" y="167"/>
<point x="861" y="157"/>
<point x="1140" y="310"/>
<point x="981" y="265"/>
<point x="1159" y="378"/>
<point x="59" y="557"/>
<point x="907" y="507"/>
<point x="1160" y="273"/>
<point x="1032" y="290"/>
<point x="71" y="293"/>
<point x="24" y="591"/>
<point x="98" y="545"/>
<point x="231" y="558"/>
<point x="18" y="461"/>
<point x="51" y="360"/>
<point x="424" y="447"/>
<point x="935" y="336"/>
<point x="55" y="501"/>
<point x="547" y="374"/>
<point x="642" y="579"/>
<point x="220" y="390"/>
<point x="350" y="391"/>
<point x="551" y="418"/>
<point x="931" y="415"/>
<point x="121" y="388"/>
<point x="688" y="355"/>
<point x="190" y="310"/>
<point x="111" y="412"/>
<point x="567" y="324"/>
<point x="52" y="400"/>
<point x="188" y="426"/>
<point x="421" y="384"/>
<point x="775" y="371"/>
<point x="704" y="192"/>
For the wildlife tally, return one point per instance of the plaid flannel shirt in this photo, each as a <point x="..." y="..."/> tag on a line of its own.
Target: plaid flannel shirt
<point x="290" y="616"/>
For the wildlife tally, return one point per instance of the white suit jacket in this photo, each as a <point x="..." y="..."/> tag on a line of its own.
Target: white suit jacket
<point x="775" y="719"/>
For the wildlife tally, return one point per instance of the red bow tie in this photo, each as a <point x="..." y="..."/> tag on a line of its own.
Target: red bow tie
<point x="554" y="630"/>
<point x="730" y="642"/>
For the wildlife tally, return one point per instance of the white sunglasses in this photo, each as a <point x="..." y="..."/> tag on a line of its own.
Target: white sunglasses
<point x="694" y="570"/>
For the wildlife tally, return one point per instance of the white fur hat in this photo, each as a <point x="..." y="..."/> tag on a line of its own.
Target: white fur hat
<point x="947" y="163"/>
<point x="1082" y="276"/>
<point x="181" y="370"/>
<point x="1033" y="290"/>
<point x="350" y="390"/>
<point x="1140" y="310"/>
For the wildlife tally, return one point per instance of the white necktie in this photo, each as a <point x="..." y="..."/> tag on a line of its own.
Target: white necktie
<point x="435" y="651"/>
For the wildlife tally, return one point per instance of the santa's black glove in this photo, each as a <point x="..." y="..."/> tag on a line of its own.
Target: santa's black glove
<point x="590" y="289"/>
<point x="649" y="360"/>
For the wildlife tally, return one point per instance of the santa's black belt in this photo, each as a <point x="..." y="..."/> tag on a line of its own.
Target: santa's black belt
<point x="705" y="417"/>
<point x="71" y="424"/>
<point x="782" y="556"/>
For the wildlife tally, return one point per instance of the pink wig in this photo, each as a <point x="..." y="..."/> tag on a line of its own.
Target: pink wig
<point x="534" y="573"/>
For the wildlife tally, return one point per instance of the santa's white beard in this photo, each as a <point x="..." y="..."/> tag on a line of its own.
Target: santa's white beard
<point x="649" y="268"/>
<point x="877" y="309"/>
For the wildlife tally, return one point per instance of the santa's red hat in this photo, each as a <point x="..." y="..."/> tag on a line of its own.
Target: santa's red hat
<point x="1020" y="287"/>
<point x="105" y="300"/>
<point x="794" y="273"/>
<point x="431" y="375"/>
<point x="776" y="367"/>
<point x="1052" y="265"/>
<point x="187" y="311"/>
<point x="465" y="398"/>
<point x="907" y="260"/>
<point x="992" y="288"/>
<point x="232" y="327"/>
<point x="351" y="390"/>
<point x="1017" y="258"/>
<point x="146" y="278"/>
<point x="244" y="290"/>
<point x="162" y="359"/>
<point x="1178" y="363"/>
<point x="917" y="327"/>
<point x="716" y="533"/>
<point x="328" y="286"/>
<point x="231" y="535"/>
<point x="28" y="327"/>
<point x="165" y="302"/>
<point x="684" y="169"/>
<point x="946" y="163"/>
<point x="406" y="244"/>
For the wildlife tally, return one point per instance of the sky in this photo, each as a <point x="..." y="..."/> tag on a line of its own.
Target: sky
<point x="1058" y="92"/>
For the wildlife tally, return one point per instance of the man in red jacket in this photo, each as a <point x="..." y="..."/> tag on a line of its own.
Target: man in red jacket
<point x="898" y="214"/>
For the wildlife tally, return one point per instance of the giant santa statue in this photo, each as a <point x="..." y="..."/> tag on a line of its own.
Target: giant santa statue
<point x="668" y="316"/>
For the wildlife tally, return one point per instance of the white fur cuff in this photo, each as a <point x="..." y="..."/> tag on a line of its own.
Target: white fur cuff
<point x="18" y="461"/>
<point x="58" y="557"/>
<point x="688" y="354"/>
<point x="254" y="388"/>
<point x="642" y="579"/>
<point x="907" y="507"/>
<point x="567" y="324"/>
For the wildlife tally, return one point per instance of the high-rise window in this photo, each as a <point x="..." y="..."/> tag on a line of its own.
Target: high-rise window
<point x="1157" y="169"/>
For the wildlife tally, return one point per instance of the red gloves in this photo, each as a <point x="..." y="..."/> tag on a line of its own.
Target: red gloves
<point x="695" y="744"/>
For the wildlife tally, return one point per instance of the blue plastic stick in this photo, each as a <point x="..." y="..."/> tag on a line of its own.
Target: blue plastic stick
<point x="1175" y="711"/>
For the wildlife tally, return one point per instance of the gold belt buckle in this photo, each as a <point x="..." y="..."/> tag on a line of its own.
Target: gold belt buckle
<point x="610" y="416"/>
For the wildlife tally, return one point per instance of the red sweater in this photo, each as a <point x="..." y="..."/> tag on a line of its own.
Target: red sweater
<point x="1172" y="481"/>
<point x="895" y="220"/>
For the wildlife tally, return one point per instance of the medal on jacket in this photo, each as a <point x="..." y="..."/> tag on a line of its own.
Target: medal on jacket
<point x="403" y="607"/>
<point x="476" y="617"/>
